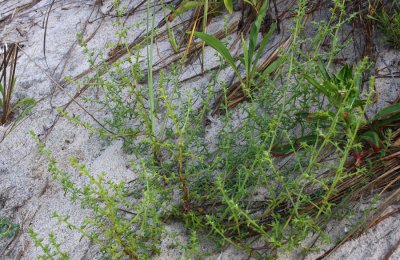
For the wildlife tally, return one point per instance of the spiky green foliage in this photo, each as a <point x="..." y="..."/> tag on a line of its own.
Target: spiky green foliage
<point x="272" y="168"/>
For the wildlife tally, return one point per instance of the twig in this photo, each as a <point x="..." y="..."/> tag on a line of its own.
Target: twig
<point x="392" y="250"/>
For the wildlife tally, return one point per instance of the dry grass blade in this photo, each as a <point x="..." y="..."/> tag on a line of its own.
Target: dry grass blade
<point x="7" y="79"/>
<point x="384" y="177"/>
<point x="18" y="9"/>
<point x="392" y="250"/>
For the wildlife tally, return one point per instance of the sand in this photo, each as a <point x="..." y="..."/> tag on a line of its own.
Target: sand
<point x="28" y="195"/>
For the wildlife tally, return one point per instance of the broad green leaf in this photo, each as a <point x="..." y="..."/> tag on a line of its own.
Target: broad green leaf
<point x="229" y="5"/>
<point x="386" y="121"/>
<point x="388" y="111"/>
<point x="220" y="48"/>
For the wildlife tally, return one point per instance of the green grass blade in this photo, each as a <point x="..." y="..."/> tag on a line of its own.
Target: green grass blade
<point x="186" y="7"/>
<point x="273" y="66"/>
<point x="150" y="29"/>
<point x="229" y="5"/>
<point x="25" y="102"/>
<point x="255" y="29"/>
<point x="246" y="58"/>
<point x="318" y="86"/>
<point x="220" y="48"/>
<point x="204" y="26"/>
<point x="264" y="42"/>
<point x="323" y="70"/>
<point x="388" y="111"/>
<point x="171" y="35"/>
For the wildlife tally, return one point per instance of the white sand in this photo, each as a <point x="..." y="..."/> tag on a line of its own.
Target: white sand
<point x="26" y="187"/>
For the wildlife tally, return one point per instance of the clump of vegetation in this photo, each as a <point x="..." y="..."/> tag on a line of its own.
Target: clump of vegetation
<point x="124" y="226"/>
<point x="8" y="64"/>
<point x="388" y="20"/>
<point x="7" y="228"/>
<point x="51" y="250"/>
<point x="277" y="166"/>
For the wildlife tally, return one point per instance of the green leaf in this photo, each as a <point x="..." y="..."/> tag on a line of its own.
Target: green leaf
<point x="282" y="150"/>
<point x="357" y="83"/>
<point x="345" y="74"/>
<point x="331" y="87"/>
<point x="263" y="43"/>
<point x="308" y="139"/>
<point x="372" y="138"/>
<point x="273" y="66"/>
<point x="389" y="120"/>
<point x="261" y="15"/>
<point x="7" y="229"/>
<point x="220" y="48"/>
<point x="359" y="103"/>
<point x="25" y="102"/>
<point x="286" y="149"/>
<point x="229" y="5"/>
<point x="318" y="86"/>
<point x="246" y="58"/>
<point x="186" y="7"/>
<point x="255" y="29"/>
<point x="172" y="39"/>
<point x="388" y="111"/>
<point x="322" y="69"/>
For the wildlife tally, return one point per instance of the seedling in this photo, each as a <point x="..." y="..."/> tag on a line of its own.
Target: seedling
<point x="7" y="228"/>
<point x="389" y="24"/>
<point x="251" y="56"/>
<point x="343" y="93"/>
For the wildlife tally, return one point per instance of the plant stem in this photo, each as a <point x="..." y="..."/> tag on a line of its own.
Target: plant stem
<point x="150" y="69"/>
